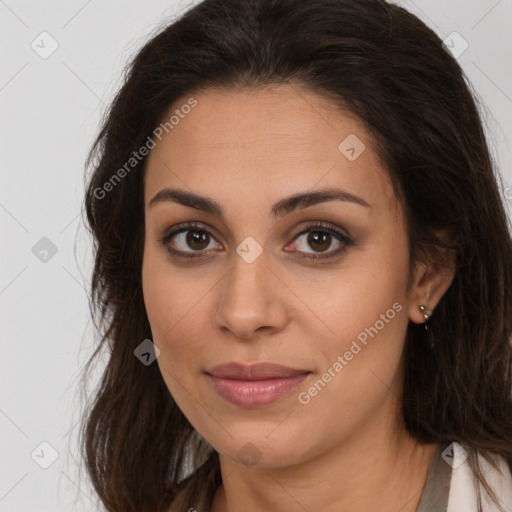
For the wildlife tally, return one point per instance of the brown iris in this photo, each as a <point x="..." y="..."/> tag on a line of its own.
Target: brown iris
<point x="198" y="237"/>
<point x="320" y="238"/>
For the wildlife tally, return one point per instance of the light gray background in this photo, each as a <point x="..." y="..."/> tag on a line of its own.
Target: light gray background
<point x="50" y="111"/>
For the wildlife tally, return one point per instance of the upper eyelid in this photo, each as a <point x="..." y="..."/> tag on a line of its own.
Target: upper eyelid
<point x="185" y="226"/>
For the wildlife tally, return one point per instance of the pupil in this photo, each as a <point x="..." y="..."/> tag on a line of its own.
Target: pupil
<point x="319" y="238"/>
<point x="197" y="237"/>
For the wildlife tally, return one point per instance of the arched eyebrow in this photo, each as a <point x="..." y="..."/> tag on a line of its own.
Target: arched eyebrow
<point x="279" y="209"/>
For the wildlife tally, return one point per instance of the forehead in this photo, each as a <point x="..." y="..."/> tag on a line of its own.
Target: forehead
<point x="283" y="139"/>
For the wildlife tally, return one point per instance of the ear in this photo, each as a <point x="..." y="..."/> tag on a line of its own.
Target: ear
<point x="432" y="280"/>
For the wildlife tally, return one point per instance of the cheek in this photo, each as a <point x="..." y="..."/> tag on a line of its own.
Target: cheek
<point x="172" y="312"/>
<point x="361" y="362"/>
<point x="363" y="313"/>
<point x="357" y="303"/>
<point x="175" y="306"/>
<point x="367" y="331"/>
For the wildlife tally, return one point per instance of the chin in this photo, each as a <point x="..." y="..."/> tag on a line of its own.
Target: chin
<point x="264" y="452"/>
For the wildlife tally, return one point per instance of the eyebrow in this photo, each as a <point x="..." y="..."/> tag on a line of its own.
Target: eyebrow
<point x="279" y="209"/>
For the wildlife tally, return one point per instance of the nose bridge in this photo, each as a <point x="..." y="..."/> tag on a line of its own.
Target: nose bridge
<point x="247" y="283"/>
<point x="249" y="299"/>
<point x="249" y="263"/>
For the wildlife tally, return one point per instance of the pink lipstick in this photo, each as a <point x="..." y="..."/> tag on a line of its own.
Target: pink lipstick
<point x="255" y="385"/>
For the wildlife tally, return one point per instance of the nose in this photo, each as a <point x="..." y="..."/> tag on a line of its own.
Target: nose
<point x="251" y="299"/>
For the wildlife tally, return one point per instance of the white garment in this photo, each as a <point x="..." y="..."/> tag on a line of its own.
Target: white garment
<point x="463" y="490"/>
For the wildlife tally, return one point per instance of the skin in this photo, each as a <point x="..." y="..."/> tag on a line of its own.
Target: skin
<point x="346" y="449"/>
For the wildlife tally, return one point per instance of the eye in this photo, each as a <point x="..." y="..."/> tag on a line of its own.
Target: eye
<point x="192" y="240"/>
<point x="321" y="236"/>
<point x="189" y="235"/>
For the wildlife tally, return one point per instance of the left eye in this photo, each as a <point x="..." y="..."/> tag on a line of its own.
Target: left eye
<point x="319" y="237"/>
<point x="319" y="240"/>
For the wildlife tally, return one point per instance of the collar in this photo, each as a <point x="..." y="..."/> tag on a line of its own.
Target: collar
<point x="437" y="486"/>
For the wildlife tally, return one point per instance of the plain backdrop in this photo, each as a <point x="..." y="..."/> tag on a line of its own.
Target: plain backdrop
<point x="51" y="105"/>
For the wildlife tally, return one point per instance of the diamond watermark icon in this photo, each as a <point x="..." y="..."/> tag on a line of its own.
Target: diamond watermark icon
<point x="455" y="44"/>
<point x="352" y="147"/>
<point x="44" y="250"/>
<point x="44" y="455"/>
<point x="248" y="454"/>
<point x="147" y="352"/>
<point x="249" y="250"/>
<point x="454" y="455"/>
<point x="44" y="45"/>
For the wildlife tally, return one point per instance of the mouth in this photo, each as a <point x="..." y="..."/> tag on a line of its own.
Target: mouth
<point x="257" y="385"/>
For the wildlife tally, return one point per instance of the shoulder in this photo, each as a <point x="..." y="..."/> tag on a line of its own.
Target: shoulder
<point x="463" y="487"/>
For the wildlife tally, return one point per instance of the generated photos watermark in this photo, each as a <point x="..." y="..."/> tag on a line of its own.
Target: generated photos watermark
<point x="304" y="397"/>
<point x="143" y="151"/>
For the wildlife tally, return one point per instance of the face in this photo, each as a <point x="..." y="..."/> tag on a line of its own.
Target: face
<point x="317" y="284"/>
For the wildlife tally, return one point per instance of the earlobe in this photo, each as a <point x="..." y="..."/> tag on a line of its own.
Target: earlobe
<point x="428" y="290"/>
<point x="433" y="278"/>
<point x="427" y="312"/>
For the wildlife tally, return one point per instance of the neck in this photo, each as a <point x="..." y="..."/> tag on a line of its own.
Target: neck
<point x="383" y="471"/>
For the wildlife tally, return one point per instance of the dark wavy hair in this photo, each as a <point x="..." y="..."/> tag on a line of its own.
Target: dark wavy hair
<point x="385" y="66"/>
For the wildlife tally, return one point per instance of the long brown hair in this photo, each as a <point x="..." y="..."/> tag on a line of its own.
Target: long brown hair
<point x="387" y="67"/>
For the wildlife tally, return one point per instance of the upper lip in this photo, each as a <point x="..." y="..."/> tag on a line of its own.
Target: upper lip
<point x="256" y="371"/>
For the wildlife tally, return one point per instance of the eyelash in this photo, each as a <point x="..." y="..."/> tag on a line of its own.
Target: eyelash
<point x="321" y="226"/>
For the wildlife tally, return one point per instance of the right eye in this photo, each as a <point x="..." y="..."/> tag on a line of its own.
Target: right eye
<point x="191" y="240"/>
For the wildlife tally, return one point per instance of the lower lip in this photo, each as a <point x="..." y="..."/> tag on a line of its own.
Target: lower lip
<point x="255" y="393"/>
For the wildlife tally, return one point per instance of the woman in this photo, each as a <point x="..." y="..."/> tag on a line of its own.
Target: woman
<point x="303" y="270"/>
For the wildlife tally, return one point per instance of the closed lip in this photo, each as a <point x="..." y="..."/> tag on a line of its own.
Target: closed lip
<point x="255" y="371"/>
